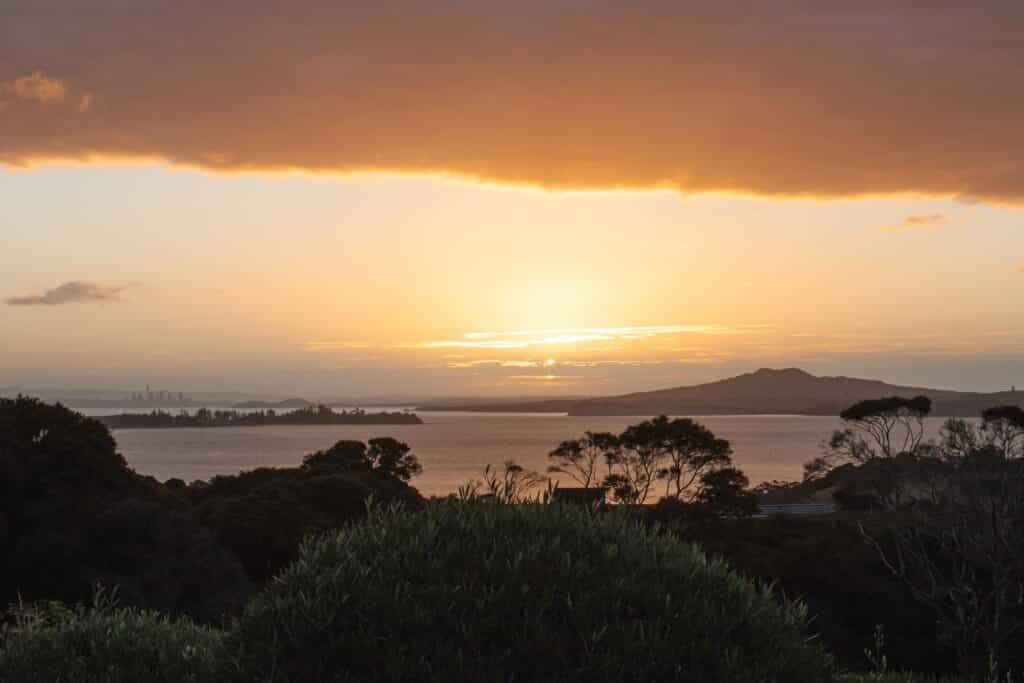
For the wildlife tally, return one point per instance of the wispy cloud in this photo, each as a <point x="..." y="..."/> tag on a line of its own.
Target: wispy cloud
<point x="924" y="221"/>
<point x="521" y="339"/>
<point x="74" y="292"/>
<point x="495" y="363"/>
<point x="332" y="345"/>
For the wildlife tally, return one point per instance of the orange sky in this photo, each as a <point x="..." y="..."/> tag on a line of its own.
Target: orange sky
<point x="342" y="198"/>
<point x="821" y="97"/>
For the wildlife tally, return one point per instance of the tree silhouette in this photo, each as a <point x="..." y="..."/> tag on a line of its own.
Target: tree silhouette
<point x="580" y="458"/>
<point x="725" y="492"/>
<point x="881" y="428"/>
<point x="392" y="457"/>
<point x="962" y="554"/>
<point x="694" y="451"/>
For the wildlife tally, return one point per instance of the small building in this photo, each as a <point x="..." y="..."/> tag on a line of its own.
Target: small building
<point x="579" y="495"/>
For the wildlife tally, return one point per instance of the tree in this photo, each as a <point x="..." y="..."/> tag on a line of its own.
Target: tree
<point x="725" y="492"/>
<point x="73" y="514"/>
<point x="580" y="458"/>
<point x="383" y="455"/>
<point x="644" y="447"/>
<point x="1002" y="428"/>
<point x="693" y="452"/>
<point x="676" y="451"/>
<point x="881" y="428"/>
<point x="962" y="555"/>
<point x="346" y="454"/>
<point x="876" y="431"/>
<point x="392" y="457"/>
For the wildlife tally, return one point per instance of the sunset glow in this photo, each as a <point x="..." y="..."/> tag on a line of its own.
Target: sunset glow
<point x="460" y="223"/>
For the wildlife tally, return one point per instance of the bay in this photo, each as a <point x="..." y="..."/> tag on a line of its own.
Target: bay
<point x="454" y="447"/>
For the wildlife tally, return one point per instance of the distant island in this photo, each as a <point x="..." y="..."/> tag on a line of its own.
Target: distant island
<point x="287" y="404"/>
<point x="312" y="415"/>
<point x="480" y="405"/>
<point x="789" y="391"/>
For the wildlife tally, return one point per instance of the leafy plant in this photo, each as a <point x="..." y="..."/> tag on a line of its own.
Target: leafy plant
<point x="49" y="643"/>
<point x="475" y="591"/>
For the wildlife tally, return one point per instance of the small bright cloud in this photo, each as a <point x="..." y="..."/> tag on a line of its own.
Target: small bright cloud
<point x="924" y="221"/>
<point x="41" y="88"/>
<point x="36" y="87"/>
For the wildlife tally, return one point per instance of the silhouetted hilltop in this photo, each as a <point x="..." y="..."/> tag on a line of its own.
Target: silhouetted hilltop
<point x="790" y="391"/>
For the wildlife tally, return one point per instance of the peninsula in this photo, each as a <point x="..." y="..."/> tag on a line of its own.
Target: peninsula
<point x="203" y="417"/>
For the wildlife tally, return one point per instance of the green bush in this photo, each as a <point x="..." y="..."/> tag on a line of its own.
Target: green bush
<point x="475" y="591"/>
<point x="107" y="645"/>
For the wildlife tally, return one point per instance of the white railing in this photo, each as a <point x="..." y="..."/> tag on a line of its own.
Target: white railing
<point x="797" y="509"/>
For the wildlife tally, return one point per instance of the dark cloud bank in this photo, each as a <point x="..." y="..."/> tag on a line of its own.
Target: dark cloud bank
<point x="812" y="97"/>
<point x="75" y="292"/>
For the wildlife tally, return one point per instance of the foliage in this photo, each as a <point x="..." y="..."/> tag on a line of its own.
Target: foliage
<point x="383" y="455"/>
<point x="962" y="554"/>
<point x="876" y="430"/>
<point x="512" y="485"/>
<point x="263" y="515"/>
<point x="52" y="644"/>
<point x="677" y="452"/>
<point x="826" y="562"/>
<point x="475" y="591"/>
<point x="73" y="514"/>
<point x="725" y="492"/>
<point x="894" y="407"/>
<point x="880" y="428"/>
<point x="580" y="458"/>
<point x="1001" y="431"/>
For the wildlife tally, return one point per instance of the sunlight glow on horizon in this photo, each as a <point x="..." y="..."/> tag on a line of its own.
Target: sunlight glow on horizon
<point x="415" y="282"/>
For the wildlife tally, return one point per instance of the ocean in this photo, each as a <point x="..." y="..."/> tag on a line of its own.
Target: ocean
<point x="454" y="447"/>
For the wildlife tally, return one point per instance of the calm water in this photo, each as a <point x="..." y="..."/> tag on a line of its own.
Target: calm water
<point x="454" y="447"/>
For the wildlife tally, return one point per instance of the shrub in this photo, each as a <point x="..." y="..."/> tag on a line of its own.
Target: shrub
<point x="825" y="562"/>
<point x="478" y="591"/>
<point x="262" y="516"/>
<point x="107" y="645"/>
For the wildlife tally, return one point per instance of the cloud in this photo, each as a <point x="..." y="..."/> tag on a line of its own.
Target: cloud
<point x="36" y="87"/>
<point x="40" y="88"/>
<point x="927" y="221"/>
<point x="811" y="97"/>
<point x="75" y="292"/>
<point x="336" y="345"/>
<point x="521" y="339"/>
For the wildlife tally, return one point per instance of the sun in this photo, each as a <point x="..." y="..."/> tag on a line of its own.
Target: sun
<point x="549" y="363"/>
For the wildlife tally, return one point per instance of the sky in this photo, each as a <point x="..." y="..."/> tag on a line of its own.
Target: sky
<point x="568" y="197"/>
